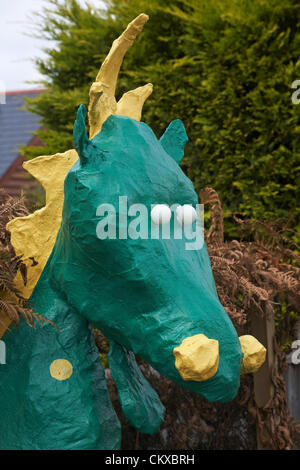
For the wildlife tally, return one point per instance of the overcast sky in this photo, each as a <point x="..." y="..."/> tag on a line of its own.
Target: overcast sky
<point x="17" y="49"/>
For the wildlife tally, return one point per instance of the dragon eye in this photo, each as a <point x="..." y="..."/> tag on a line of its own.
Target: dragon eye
<point x="161" y="214"/>
<point x="186" y="214"/>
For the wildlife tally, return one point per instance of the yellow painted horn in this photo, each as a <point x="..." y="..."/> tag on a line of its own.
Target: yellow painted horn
<point x="102" y="92"/>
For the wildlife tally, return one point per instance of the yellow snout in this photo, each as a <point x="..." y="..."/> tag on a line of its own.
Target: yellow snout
<point x="254" y="354"/>
<point x="197" y="358"/>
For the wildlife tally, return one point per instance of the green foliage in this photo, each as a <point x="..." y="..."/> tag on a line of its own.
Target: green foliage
<point x="224" y="67"/>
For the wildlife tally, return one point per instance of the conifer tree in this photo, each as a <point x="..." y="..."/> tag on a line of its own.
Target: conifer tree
<point x="225" y="68"/>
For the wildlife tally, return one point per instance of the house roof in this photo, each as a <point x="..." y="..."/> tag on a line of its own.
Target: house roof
<point x="16" y="127"/>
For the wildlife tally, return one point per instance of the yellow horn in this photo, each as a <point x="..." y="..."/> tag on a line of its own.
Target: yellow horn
<point x="254" y="354"/>
<point x="102" y="93"/>
<point x="197" y="358"/>
<point x="131" y="103"/>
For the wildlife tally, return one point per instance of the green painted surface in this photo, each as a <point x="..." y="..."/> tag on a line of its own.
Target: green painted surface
<point x="140" y="403"/>
<point x="144" y="294"/>
<point x="40" y="412"/>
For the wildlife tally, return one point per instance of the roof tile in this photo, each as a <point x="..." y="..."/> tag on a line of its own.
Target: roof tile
<point x="16" y="127"/>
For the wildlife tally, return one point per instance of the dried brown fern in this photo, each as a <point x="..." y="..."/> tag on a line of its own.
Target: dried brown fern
<point x="11" y="300"/>
<point x="259" y="275"/>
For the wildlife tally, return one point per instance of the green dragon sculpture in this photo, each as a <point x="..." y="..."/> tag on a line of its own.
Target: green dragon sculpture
<point x="149" y="296"/>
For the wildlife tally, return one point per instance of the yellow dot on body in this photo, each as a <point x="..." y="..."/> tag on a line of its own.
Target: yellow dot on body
<point x="61" y="369"/>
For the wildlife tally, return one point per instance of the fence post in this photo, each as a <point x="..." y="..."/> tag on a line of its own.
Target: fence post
<point x="292" y="378"/>
<point x="263" y="328"/>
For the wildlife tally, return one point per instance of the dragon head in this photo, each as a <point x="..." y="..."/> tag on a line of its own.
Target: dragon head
<point x="148" y="293"/>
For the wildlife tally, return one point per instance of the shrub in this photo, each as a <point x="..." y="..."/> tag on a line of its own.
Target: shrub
<point x="224" y="67"/>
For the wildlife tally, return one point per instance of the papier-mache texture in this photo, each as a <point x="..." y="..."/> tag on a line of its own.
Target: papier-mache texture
<point x="148" y="295"/>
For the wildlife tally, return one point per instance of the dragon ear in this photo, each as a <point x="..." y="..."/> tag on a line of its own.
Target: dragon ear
<point x="174" y="139"/>
<point x="80" y="137"/>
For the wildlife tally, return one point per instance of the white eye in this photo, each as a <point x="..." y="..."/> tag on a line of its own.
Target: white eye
<point x="161" y="214"/>
<point x="186" y="214"/>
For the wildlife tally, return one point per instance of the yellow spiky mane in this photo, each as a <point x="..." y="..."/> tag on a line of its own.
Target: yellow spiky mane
<point x="33" y="237"/>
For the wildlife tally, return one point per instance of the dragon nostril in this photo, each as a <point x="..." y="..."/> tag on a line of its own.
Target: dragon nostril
<point x="254" y="354"/>
<point x="197" y="358"/>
